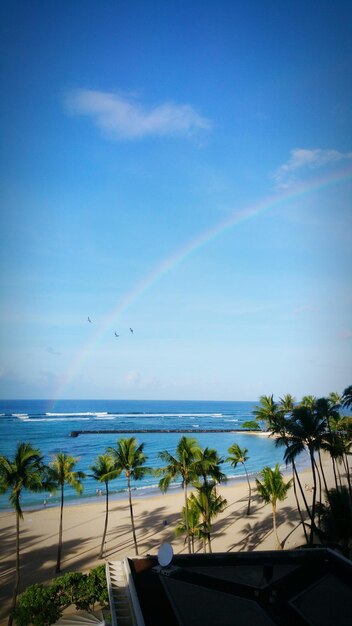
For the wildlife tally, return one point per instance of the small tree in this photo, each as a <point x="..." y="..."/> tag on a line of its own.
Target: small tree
<point x="239" y="455"/>
<point x="24" y="471"/>
<point x="185" y="464"/>
<point x="129" y="458"/>
<point x="336" y="519"/>
<point x="251" y="425"/>
<point x="39" y="606"/>
<point x="104" y="471"/>
<point x="209" y="505"/>
<point x="272" y="488"/>
<point x="42" y="606"/>
<point x="195" y="526"/>
<point x="61" y="474"/>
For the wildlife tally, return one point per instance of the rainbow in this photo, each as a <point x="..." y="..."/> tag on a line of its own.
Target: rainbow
<point x="203" y="238"/>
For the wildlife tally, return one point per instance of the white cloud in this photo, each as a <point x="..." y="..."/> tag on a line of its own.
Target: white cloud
<point x="135" y="380"/>
<point x="123" y="118"/>
<point x="302" y="159"/>
<point x="303" y="309"/>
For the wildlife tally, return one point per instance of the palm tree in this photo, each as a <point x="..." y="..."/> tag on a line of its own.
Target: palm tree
<point x="239" y="455"/>
<point x="336" y="519"/>
<point x="195" y="527"/>
<point x="287" y="403"/>
<point x="209" y="504"/>
<point x="208" y="466"/>
<point x="289" y="457"/>
<point x="103" y="471"/>
<point x="335" y="400"/>
<point x="129" y="458"/>
<point x="327" y="408"/>
<point x="308" y="402"/>
<point x="339" y="448"/>
<point x="306" y="429"/>
<point x="185" y="465"/>
<point x="347" y="397"/>
<point x="272" y="488"/>
<point x="62" y="473"/>
<point x="269" y="412"/>
<point x="25" y="471"/>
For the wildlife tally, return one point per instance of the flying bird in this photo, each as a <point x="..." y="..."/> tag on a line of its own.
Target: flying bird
<point x="89" y="320"/>
<point x="131" y="329"/>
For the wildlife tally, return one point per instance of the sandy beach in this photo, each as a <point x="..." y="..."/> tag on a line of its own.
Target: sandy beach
<point x="155" y="517"/>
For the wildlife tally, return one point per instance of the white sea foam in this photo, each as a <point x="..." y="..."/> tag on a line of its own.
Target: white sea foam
<point x="21" y="416"/>
<point x="107" y="417"/>
<point x="60" y="419"/>
<point x="73" y="414"/>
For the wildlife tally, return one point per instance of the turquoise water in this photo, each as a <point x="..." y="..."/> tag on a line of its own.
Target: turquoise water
<point x="47" y="425"/>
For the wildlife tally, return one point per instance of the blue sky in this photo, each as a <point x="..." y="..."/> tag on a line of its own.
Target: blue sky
<point x="182" y="169"/>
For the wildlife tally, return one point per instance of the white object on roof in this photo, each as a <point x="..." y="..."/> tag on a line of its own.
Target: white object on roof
<point x="165" y="554"/>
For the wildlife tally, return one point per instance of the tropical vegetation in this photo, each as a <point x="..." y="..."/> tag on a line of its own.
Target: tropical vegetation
<point x="317" y="426"/>
<point x="184" y="465"/>
<point x="272" y="488"/>
<point x="128" y="457"/>
<point x="313" y="425"/>
<point x="239" y="455"/>
<point x="62" y="473"/>
<point x="43" y="605"/>
<point x="103" y="471"/>
<point x="25" y="471"/>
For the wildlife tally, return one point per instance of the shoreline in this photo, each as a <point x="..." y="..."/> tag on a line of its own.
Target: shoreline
<point x="149" y="491"/>
<point x="167" y="431"/>
<point x="155" y="517"/>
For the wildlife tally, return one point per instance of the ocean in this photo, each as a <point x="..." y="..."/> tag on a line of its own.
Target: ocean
<point x="48" y="425"/>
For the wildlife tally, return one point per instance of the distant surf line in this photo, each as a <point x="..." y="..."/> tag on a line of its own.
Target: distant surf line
<point x="192" y="246"/>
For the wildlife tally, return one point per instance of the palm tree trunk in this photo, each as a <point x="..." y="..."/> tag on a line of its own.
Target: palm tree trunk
<point x="297" y="501"/>
<point x="319" y="481"/>
<point x="339" y="473"/>
<point x="279" y="546"/>
<point x="17" y="578"/>
<point x="302" y="492"/>
<point x="335" y="475"/>
<point x="311" y="452"/>
<point x="186" y="514"/>
<point x="59" y="549"/>
<point x="345" y="462"/>
<point x="249" y="490"/>
<point x="322" y="472"/>
<point x="209" y="544"/>
<point x="332" y="458"/>
<point x="106" y="520"/>
<point x="131" y="513"/>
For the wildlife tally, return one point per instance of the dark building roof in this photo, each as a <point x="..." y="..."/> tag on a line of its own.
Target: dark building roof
<point x="292" y="588"/>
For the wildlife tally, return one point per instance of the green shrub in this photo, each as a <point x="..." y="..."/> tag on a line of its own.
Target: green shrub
<point x="251" y="425"/>
<point x="38" y="606"/>
<point x="42" y="606"/>
<point x="66" y="588"/>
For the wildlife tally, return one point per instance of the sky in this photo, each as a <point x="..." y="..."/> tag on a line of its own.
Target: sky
<point x="182" y="169"/>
